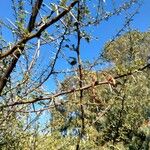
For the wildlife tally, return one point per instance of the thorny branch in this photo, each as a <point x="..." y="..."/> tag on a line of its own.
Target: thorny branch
<point x="72" y="90"/>
<point x="38" y="33"/>
<point x="21" y="44"/>
<point x="34" y="14"/>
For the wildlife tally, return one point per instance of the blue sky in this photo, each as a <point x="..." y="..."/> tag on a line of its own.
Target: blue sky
<point x="108" y="29"/>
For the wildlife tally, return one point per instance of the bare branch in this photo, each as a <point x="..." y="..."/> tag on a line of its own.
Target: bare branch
<point x="34" y="14"/>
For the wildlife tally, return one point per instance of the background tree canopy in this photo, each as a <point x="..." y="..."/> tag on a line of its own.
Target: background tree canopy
<point x="55" y="96"/>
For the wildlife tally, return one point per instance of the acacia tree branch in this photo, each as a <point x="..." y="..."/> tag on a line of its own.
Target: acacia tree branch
<point x="53" y="64"/>
<point x="131" y="73"/>
<point x="34" y="14"/>
<point x="80" y="77"/>
<point x="4" y="78"/>
<point x="57" y="18"/>
<point x="21" y="46"/>
<point x="38" y="33"/>
<point x="56" y="95"/>
<point x="72" y="90"/>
